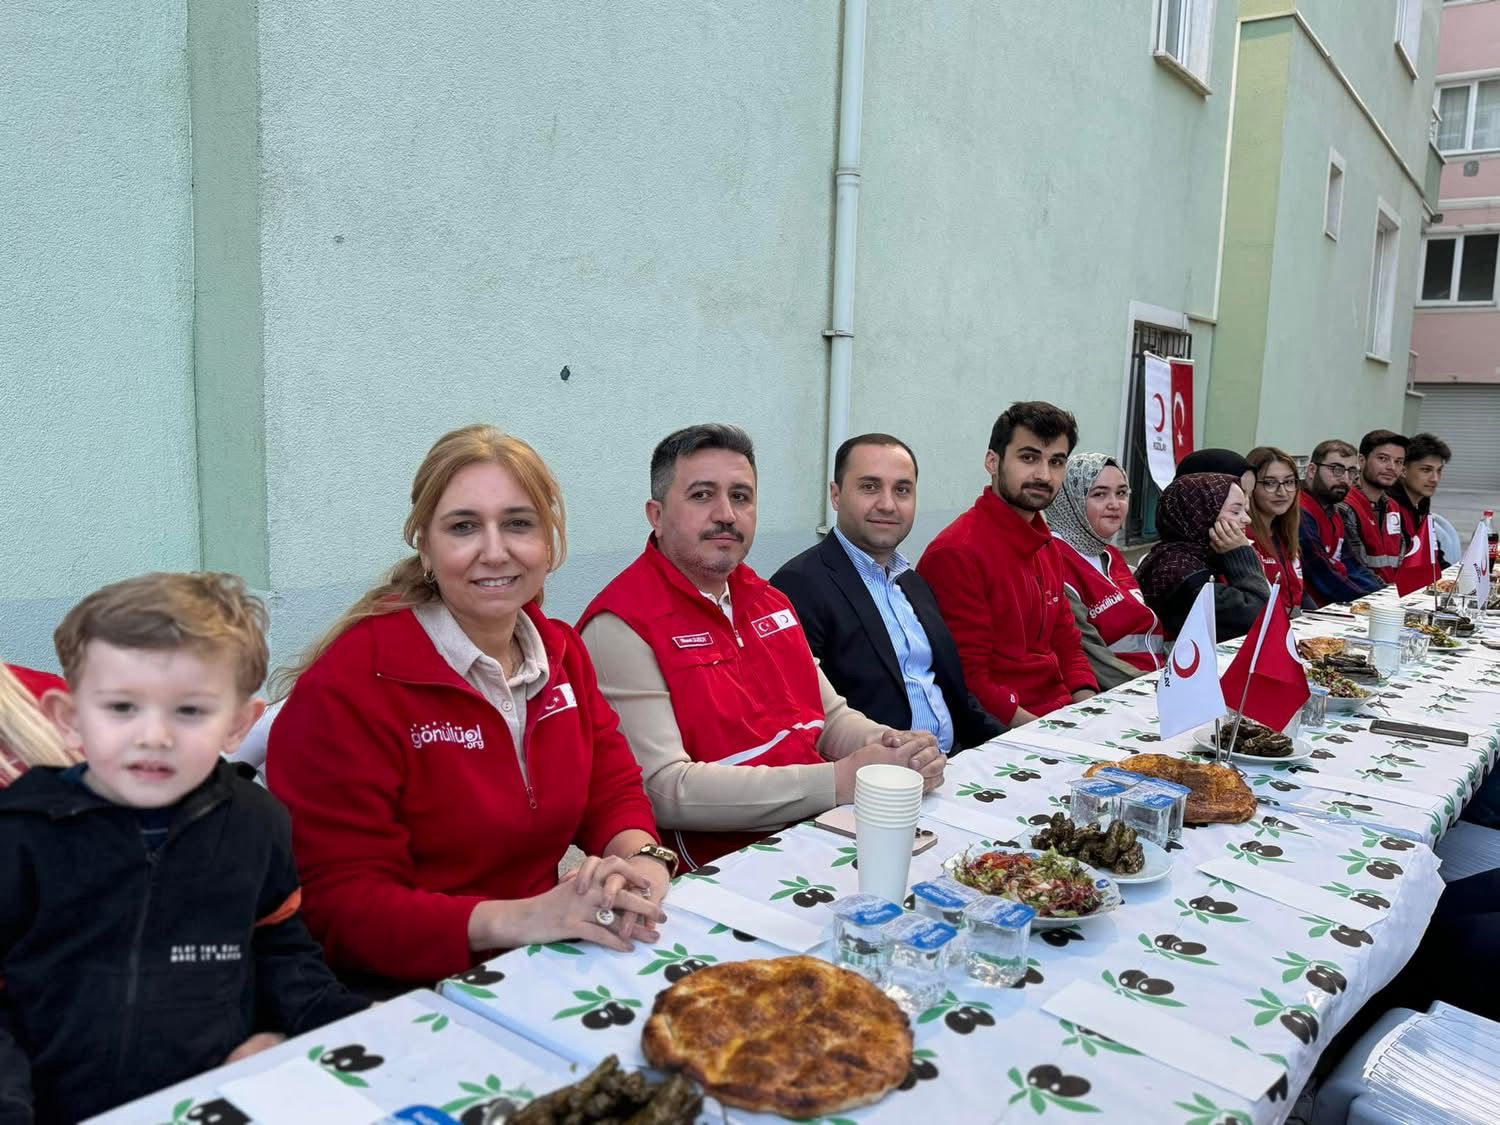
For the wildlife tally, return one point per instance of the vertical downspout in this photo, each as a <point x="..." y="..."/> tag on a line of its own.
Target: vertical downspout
<point x="845" y="224"/>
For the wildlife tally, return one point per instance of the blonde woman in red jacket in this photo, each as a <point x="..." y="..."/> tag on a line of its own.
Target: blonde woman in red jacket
<point x="446" y="742"/>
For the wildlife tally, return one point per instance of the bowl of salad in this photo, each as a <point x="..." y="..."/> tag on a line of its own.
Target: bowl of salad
<point x="1061" y="890"/>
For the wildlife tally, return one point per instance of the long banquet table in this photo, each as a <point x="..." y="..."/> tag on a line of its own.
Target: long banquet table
<point x="1226" y="952"/>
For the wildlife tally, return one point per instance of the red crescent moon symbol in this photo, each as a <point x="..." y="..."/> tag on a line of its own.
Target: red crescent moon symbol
<point x="1179" y="412"/>
<point x="1161" y="413"/>
<point x="1416" y="545"/>
<point x="1186" y="673"/>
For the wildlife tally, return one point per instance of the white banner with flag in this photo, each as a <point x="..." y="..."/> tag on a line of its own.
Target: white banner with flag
<point x="1158" y="420"/>
<point x="1188" y="692"/>
<point x="1474" y="567"/>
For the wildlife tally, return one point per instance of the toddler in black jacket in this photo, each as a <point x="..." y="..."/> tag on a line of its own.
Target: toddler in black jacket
<point x="149" y="922"/>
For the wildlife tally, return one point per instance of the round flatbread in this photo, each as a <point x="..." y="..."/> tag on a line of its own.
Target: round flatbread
<point x="795" y="1036"/>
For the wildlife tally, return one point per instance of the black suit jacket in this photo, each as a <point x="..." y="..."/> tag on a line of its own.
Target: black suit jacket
<point x="847" y="635"/>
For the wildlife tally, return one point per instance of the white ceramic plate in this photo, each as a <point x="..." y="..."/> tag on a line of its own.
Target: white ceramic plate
<point x="1158" y="863"/>
<point x="1301" y="752"/>
<point x="1113" y="900"/>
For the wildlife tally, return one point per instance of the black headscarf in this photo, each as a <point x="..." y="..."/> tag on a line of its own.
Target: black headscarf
<point x="1225" y="461"/>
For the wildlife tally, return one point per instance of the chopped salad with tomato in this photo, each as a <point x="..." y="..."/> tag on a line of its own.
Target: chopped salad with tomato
<point x="1052" y="884"/>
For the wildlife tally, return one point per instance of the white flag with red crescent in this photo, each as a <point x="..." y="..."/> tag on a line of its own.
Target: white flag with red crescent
<point x="1161" y="457"/>
<point x="1188" y="692"/>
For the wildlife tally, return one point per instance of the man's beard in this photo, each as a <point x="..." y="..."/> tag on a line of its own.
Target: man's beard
<point x="1026" y="501"/>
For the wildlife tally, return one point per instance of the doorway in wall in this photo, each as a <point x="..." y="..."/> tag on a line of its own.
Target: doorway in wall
<point x="1144" y="495"/>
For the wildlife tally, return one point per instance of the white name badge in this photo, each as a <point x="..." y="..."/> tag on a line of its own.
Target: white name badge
<point x="1393" y="523"/>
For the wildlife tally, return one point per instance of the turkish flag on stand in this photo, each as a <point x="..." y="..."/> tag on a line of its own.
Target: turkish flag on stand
<point x="1187" y="693"/>
<point x="1267" y="673"/>
<point x="1182" y="408"/>
<point x="1419" y="568"/>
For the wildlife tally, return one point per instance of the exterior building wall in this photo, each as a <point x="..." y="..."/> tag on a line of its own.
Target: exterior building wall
<point x="1290" y="351"/>
<point x="1462" y="345"/>
<point x="97" y="443"/>
<point x="402" y="219"/>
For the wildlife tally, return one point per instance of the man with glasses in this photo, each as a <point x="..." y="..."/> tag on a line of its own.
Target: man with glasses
<point x="1382" y="457"/>
<point x="1333" y="572"/>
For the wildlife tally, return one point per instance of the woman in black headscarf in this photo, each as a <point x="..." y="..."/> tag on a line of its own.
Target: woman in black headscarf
<point x="1202" y="519"/>
<point x="1219" y="461"/>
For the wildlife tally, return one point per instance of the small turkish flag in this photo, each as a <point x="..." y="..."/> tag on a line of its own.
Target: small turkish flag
<point x="1188" y="691"/>
<point x="1266" y="675"/>
<point x="1419" y="568"/>
<point x="1182" y="408"/>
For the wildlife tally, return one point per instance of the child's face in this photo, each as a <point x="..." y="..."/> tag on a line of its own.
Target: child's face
<point x="152" y="724"/>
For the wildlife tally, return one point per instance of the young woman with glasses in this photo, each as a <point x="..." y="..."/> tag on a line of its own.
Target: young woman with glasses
<point x="1275" y="519"/>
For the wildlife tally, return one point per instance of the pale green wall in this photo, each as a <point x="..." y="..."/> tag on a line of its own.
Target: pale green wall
<point x="1289" y="353"/>
<point x="1029" y="171"/>
<point x="96" y="395"/>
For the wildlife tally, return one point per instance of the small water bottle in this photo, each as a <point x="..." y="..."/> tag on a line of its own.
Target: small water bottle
<point x="859" y="942"/>
<point x="919" y="959"/>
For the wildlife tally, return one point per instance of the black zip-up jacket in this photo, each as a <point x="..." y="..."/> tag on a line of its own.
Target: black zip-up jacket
<point x="126" y="970"/>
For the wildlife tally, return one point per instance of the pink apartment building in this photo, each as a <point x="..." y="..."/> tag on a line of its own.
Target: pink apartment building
<point x="1455" y="338"/>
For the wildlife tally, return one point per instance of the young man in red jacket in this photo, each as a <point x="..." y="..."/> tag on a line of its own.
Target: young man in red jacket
<point x="1382" y="456"/>
<point x="998" y="579"/>
<point x="737" y="730"/>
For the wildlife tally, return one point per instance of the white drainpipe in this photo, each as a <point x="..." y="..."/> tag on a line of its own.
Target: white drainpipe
<point x="845" y="226"/>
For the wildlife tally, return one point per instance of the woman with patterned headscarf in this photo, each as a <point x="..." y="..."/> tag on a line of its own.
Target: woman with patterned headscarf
<point x="1202" y="519"/>
<point x="1122" y="637"/>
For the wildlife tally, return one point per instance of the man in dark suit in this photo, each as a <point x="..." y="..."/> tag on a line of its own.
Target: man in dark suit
<point x="870" y="619"/>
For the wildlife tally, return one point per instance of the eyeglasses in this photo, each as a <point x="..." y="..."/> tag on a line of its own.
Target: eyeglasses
<point x="1335" y="470"/>
<point x="1278" y="485"/>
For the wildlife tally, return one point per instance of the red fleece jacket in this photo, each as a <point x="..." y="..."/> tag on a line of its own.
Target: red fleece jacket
<point x="409" y="806"/>
<point x="999" y="586"/>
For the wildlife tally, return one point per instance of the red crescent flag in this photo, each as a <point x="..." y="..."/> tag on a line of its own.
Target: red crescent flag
<point x="1266" y="673"/>
<point x="1182" y="408"/>
<point x="1419" y="568"/>
<point x="1187" y="694"/>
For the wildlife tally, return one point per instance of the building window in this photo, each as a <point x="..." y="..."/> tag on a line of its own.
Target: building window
<point x="1383" y="284"/>
<point x="1184" y="37"/>
<point x="1333" y="198"/>
<point x="1469" y="116"/>
<point x="1409" y="32"/>
<point x="1140" y="525"/>
<point x="1459" y="270"/>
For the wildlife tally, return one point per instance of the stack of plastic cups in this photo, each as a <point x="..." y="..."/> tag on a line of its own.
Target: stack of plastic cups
<point x="886" y="802"/>
<point x="1386" y="623"/>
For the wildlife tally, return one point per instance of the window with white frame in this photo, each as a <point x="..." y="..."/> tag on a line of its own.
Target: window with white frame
<point x="1459" y="270"/>
<point x="1184" y="35"/>
<point x="1383" y="283"/>
<point x="1409" y="31"/>
<point x="1469" y="116"/>
<point x="1333" y="198"/>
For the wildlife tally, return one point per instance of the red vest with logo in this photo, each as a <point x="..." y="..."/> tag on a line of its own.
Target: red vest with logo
<point x="1115" y="606"/>
<point x="1380" y="528"/>
<point x="1274" y="559"/>
<point x="745" y="693"/>
<point x="1330" y="532"/>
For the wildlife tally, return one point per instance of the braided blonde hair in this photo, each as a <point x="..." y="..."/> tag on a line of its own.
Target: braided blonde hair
<point x="25" y="733"/>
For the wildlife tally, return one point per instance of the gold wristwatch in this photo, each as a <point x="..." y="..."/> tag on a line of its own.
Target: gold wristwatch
<point x="662" y="855"/>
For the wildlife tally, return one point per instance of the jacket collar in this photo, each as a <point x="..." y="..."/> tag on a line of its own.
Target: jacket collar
<point x="852" y="586"/>
<point x="404" y="651"/>
<point x="42" y="789"/>
<point x="1025" y="537"/>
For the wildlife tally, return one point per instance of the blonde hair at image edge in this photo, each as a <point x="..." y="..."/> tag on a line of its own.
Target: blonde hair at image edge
<point x="25" y="732"/>
<point x="406" y="585"/>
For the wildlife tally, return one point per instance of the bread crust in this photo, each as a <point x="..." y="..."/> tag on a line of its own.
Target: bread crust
<point x="1219" y="794"/>
<point x="794" y="1035"/>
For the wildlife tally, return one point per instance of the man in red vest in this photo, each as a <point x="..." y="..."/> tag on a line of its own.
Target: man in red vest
<point x="1382" y="456"/>
<point x="1328" y="531"/>
<point x="999" y="580"/>
<point x="737" y="731"/>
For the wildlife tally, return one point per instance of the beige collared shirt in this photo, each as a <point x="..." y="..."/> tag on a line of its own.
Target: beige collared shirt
<point x="483" y="673"/>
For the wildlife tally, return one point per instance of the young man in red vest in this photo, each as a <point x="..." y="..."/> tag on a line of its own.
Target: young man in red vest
<point x="999" y="580"/>
<point x="1426" y="457"/>
<point x="1382" y="456"/>
<point x="736" y="729"/>
<point x="1330" y="567"/>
